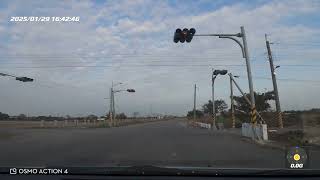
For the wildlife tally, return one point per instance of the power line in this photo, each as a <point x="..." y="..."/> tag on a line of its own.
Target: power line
<point x="157" y="65"/>
<point x="286" y="79"/>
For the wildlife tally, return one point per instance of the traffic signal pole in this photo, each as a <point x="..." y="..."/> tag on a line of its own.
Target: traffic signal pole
<point x="187" y="35"/>
<point x="253" y="104"/>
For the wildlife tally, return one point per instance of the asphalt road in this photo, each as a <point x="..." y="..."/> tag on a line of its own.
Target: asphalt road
<point x="169" y="143"/>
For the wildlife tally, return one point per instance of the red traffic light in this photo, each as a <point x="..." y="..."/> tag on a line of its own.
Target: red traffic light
<point x="183" y="35"/>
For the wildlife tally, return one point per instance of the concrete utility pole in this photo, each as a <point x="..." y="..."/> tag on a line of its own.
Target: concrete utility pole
<point x="111" y="106"/>
<point x="194" y="103"/>
<point x="232" y="104"/>
<point x="274" y="82"/>
<point x="213" y="103"/>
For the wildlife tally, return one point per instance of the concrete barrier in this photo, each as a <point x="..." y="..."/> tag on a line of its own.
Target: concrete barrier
<point x="259" y="131"/>
<point x="203" y="125"/>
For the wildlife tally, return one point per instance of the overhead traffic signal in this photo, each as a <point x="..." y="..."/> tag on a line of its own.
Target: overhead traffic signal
<point x="221" y="72"/>
<point x="24" y="79"/>
<point x="131" y="90"/>
<point x="183" y="35"/>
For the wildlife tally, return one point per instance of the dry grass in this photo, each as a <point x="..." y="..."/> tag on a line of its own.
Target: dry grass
<point x="73" y="124"/>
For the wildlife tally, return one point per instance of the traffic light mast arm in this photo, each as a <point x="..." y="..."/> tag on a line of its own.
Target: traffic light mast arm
<point x="115" y="91"/>
<point x="237" y="35"/>
<point x="3" y="74"/>
<point x="238" y="42"/>
<point x="228" y="36"/>
<point x="121" y="90"/>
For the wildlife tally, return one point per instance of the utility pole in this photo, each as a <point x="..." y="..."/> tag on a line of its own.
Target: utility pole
<point x="274" y="82"/>
<point x="111" y="106"/>
<point x="232" y="104"/>
<point x="213" y="103"/>
<point x="194" y="103"/>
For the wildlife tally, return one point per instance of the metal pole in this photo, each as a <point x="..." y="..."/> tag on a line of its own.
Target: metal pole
<point x="111" y="107"/>
<point x="244" y="96"/>
<point x="194" y="103"/>
<point x="275" y="86"/>
<point x="213" y="105"/>
<point x="232" y="104"/>
<point x="253" y="104"/>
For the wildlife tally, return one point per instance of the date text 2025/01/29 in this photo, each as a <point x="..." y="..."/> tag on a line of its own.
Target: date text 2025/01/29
<point x="45" y="19"/>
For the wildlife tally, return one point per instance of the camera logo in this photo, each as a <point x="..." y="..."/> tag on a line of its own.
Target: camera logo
<point x="13" y="170"/>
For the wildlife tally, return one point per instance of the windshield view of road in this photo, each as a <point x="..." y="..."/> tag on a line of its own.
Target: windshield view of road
<point x="211" y="84"/>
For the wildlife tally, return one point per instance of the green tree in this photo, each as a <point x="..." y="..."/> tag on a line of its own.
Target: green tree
<point x="4" y="116"/>
<point x="22" y="117"/>
<point x="92" y="117"/>
<point x="199" y="114"/>
<point x="220" y="106"/>
<point x="261" y="99"/>
<point x="121" y="116"/>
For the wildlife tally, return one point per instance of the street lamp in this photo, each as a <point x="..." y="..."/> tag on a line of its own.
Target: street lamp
<point x="23" y="79"/>
<point x="112" y="101"/>
<point x="215" y="73"/>
<point x="187" y="35"/>
<point x="112" y="108"/>
<point x="233" y="119"/>
<point x="274" y="72"/>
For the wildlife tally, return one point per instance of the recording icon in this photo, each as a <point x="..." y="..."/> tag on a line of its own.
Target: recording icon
<point x="13" y="170"/>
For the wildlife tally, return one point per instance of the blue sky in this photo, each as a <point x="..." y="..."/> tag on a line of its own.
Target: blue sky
<point x="74" y="63"/>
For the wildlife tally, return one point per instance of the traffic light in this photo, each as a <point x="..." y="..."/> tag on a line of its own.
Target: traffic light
<point x="24" y="79"/>
<point x="176" y="37"/>
<point x="131" y="90"/>
<point x="190" y="34"/>
<point x="216" y="72"/>
<point x="221" y="72"/>
<point x="183" y="35"/>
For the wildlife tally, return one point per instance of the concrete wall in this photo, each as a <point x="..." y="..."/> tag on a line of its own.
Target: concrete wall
<point x="203" y="125"/>
<point x="260" y="131"/>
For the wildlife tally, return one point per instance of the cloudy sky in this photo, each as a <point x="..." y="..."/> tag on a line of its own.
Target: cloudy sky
<point x="74" y="63"/>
